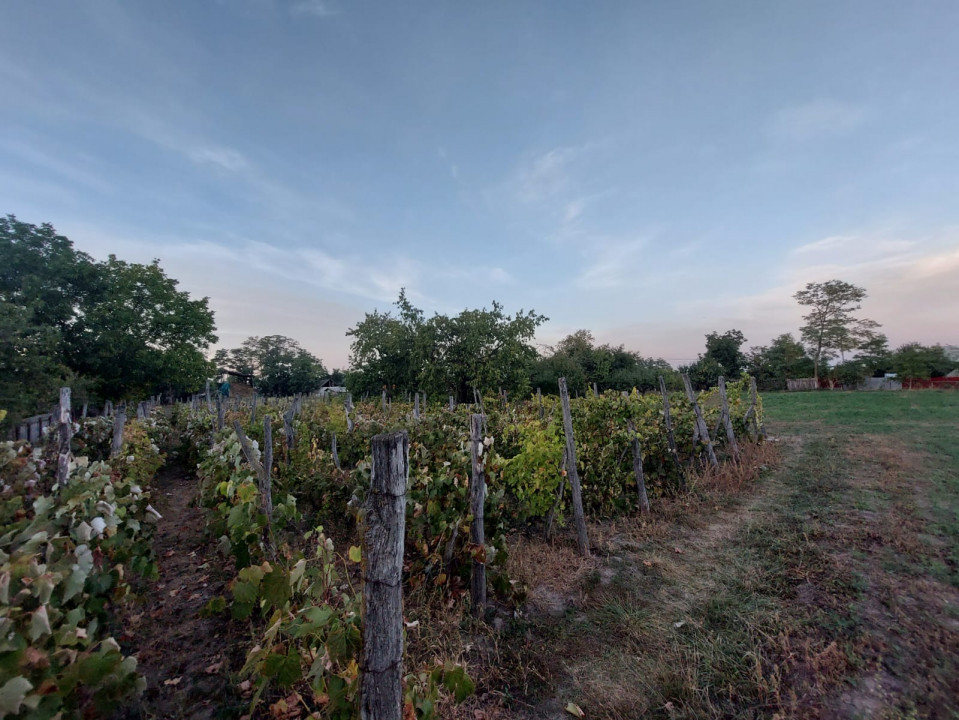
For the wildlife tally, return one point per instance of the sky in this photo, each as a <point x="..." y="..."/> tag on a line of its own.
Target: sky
<point x="651" y="171"/>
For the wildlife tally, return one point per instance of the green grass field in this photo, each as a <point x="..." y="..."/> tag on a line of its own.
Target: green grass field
<point x="826" y="586"/>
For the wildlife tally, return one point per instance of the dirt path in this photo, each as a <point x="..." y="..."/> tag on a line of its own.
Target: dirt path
<point x="183" y="655"/>
<point x="812" y="593"/>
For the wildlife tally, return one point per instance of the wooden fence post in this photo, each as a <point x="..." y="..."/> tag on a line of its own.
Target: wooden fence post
<point x="638" y="469"/>
<point x="220" y="412"/>
<point x="701" y="429"/>
<point x="66" y="432"/>
<point x="336" y="455"/>
<point x="266" y="482"/>
<point x="578" y="516"/>
<point x="416" y="406"/>
<point x="477" y="501"/>
<point x="119" y="419"/>
<point x="381" y="667"/>
<point x="726" y="420"/>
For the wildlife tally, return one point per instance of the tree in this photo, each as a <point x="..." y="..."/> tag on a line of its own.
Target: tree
<point x="486" y="349"/>
<point x="723" y="356"/>
<point x="30" y="372"/>
<point x="275" y="364"/>
<point x="830" y="326"/>
<point x="875" y="356"/>
<point x="610" y="367"/>
<point x="135" y="334"/>
<point x="914" y="361"/>
<point x="123" y="327"/>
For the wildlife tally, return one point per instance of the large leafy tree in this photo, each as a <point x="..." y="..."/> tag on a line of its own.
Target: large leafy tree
<point x="404" y="351"/>
<point x="136" y="334"/>
<point x="914" y="361"/>
<point x="275" y="364"/>
<point x="782" y="359"/>
<point x="582" y="363"/>
<point x="723" y="356"/>
<point x="30" y="369"/>
<point x="830" y="327"/>
<point x="121" y="328"/>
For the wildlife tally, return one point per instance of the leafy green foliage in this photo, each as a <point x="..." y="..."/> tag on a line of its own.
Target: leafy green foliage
<point x="276" y="365"/>
<point x="65" y="557"/>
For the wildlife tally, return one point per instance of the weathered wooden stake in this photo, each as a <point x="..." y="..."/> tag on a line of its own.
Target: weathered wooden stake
<point x="220" y="412"/>
<point x="670" y="436"/>
<point x="595" y="390"/>
<point x="726" y="420"/>
<point x="452" y="403"/>
<point x="83" y="412"/>
<point x="578" y="516"/>
<point x="701" y="429"/>
<point x="266" y="481"/>
<point x="383" y="401"/>
<point x="638" y="469"/>
<point x="477" y="501"/>
<point x="253" y="410"/>
<point x="288" y="432"/>
<point x="119" y="419"/>
<point x="209" y="405"/>
<point x="539" y="400"/>
<point x="563" y="473"/>
<point x="66" y="432"/>
<point x="336" y="456"/>
<point x="381" y="667"/>
<point x="416" y="406"/>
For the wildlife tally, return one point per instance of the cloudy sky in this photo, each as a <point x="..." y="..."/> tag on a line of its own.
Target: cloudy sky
<point x="651" y="171"/>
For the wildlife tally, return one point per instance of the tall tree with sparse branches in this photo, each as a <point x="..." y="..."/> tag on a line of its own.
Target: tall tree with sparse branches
<point x="830" y="326"/>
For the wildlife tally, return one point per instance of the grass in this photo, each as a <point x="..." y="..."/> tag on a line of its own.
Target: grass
<point x="824" y="585"/>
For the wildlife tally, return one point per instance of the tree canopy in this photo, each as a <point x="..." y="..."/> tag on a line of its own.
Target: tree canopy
<point x="723" y="357"/>
<point x="275" y="364"/>
<point x="830" y="327"/>
<point x="405" y="352"/>
<point x="582" y="363"/>
<point x="121" y="329"/>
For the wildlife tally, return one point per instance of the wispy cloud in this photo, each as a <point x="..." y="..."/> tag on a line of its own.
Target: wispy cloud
<point x="612" y="263"/>
<point x="223" y="157"/>
<point x="816" y="119"/>
<point x="314" y="8"/>
<point x="542" y="176"/>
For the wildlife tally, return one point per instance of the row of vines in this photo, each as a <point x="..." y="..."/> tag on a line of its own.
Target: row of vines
<point x="71" y="553"/>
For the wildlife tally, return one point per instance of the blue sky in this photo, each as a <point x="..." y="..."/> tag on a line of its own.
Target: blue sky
<point x="651" y="171"/>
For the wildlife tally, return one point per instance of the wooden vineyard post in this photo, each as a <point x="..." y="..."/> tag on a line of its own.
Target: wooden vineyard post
<point x="595" y="390"/>
<point x="539" y="401"/>
<point x="563" y="474"/>
<point x="578" y="516"/>
<point x="108" y="408"/>
<point x="334" y="453"/>
<point x="477" y="501"/>
<point x="288" y="432"/>
<point x="253" y="410"/>
<point x="452" y="403"/>
<point x="381" y="667"/>
<point x="702" y="430"/>
<point x="83" y="412"/>
<point x="726" y="420"/>
<point x="752" y="414"/>
<point x="266" y="481"/>
<point x="263" y="472"/>
<point x="670" y="435"/>
<point x="416" y="406"/>
<point x="220" y="412"/>
<point x="66" y="433"/>
<point x="383" y="402"/>
<point x="638" y="470"/>
<point x="209" y="405"/>
<point x="119" y="419"/>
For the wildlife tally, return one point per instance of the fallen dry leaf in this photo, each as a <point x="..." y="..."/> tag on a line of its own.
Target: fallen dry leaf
<point x="173" y="681"/>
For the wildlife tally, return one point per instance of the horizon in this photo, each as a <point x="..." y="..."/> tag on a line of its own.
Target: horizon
<point x="648" y="173"/>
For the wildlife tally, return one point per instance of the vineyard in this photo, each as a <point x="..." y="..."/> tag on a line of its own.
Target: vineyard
<point x="285" y="484"/>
